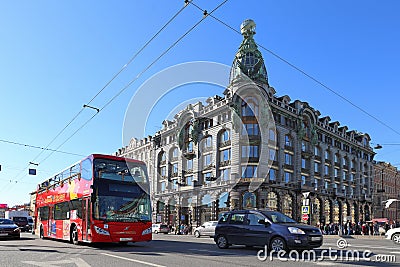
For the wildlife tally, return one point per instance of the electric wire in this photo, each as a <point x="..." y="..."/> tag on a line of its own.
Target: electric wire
<point x="307" y="75"/>
<point x="205" y="13"/>
<point x="106" y="85"/>
<point x="38" y="147"/>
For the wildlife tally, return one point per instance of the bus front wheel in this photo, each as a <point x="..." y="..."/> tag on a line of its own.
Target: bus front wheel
<point x="74" y="235"/>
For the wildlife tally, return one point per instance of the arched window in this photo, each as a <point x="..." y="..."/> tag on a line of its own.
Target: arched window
<point x="174" y="154"/>
<point x="250" y="107"/>
<point x="224" y="136"/>
<point x="162" y="158"/>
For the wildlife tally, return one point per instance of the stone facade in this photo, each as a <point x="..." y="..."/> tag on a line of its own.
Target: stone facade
<point x="386" y="186"/>
<point x="250" y="148"/>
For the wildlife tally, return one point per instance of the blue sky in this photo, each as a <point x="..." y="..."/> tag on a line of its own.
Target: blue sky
<point x="56" y="55"/>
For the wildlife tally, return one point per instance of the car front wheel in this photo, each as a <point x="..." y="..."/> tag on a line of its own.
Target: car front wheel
<point x="197" y="234"/>
<point x="277" y="244"/>
<point x="396" y="238"/>
<point x="222" y="242"/>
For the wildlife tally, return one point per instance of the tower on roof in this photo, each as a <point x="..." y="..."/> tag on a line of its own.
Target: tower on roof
<point x="248" y="59"/>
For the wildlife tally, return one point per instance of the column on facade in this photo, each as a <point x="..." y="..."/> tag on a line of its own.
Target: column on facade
<point x="234" y="200"/>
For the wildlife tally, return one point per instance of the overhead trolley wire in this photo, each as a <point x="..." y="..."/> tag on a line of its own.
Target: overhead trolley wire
<point x="305" y="74"/>
<point x="102" y="89"/>
<point x="142" y="72"/>
<point x="205" y="15"/>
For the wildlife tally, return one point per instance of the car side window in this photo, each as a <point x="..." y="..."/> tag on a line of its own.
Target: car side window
<point x="254" y="218"/>
<point x="237" y="218"/>
<point x="224" y="218"/>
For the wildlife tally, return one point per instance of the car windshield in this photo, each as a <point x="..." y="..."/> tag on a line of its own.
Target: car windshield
<point x="6" y="221"/>
<point x="277" y="217"/>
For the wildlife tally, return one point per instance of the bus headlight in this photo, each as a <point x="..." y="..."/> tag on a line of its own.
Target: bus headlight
<point x="101" y="231"/>
<point x="147" y="231"/>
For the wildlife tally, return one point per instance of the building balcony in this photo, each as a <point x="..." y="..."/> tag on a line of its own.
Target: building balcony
<point x="225" y="144"/>
<point x="208" y="167"/>
<point x="225" y="163"/>
<point x="207" y="149"/>
<point x="317" y="158"/>
<point x="305" y="170"/>
<point x="289" y="148"/>
<point x="288" y="167"/>
<point x="188" y="154"/>
<point x="307" y="154"/>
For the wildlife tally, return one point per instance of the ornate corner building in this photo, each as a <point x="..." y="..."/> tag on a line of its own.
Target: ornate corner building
<point x="250" y="148"/>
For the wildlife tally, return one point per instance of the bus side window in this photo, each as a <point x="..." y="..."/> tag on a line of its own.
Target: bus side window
<point x="44" y="213"/>
<point x="86" y="170"/>
<point x="76" y="204"/>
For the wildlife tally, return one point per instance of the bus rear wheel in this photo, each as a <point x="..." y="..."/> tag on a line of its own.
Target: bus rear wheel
<point x="74" y="235"/>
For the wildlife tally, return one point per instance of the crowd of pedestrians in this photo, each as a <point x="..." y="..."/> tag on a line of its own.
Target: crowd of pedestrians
<point x="182" y="229"/>
<point x="360" y="228"/>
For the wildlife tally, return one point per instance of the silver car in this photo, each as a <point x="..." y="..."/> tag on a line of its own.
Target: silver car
<point x="207" y="229"/>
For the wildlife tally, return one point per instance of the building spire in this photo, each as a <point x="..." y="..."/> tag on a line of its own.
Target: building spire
<point x="248" y="59"/>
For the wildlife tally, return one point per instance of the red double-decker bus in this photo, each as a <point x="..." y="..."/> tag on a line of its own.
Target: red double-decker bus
<point x="101" y="198"/>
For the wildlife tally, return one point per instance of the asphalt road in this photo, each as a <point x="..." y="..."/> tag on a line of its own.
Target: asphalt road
<point x="172" y="250"/>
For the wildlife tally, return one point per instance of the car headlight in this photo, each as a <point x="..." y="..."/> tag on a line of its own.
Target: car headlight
<point x="295" y="230"/>
<point x="147" y="231"/>
<point x="101" y="231"/>
<point x="17" y="230"/>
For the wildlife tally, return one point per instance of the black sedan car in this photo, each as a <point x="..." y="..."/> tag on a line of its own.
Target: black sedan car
<point x="8" y="229"/>
<point x="265" y="228"/>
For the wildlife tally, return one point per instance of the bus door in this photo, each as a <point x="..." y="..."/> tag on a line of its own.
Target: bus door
<point x="50" y="220"/>
<point x="86" y="218"/>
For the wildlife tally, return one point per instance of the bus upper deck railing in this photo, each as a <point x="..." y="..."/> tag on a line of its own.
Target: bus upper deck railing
<point x="53" y="182"/>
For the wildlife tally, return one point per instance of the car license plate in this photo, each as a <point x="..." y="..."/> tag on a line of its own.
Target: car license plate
<point x="125" y="239"/>
<point x="3" y="234"/>
<point x="316" y="238"/>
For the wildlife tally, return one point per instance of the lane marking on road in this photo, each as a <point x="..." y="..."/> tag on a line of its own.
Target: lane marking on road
<point x="325" y="263"/>
<point x="212" y="251"/>
<point x="394" y="252"/>
<point x="78" y="261"/>
<point x="133" y="260"/>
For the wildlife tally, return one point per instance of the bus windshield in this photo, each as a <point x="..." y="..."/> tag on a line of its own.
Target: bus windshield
<point x="120" y="171"/>
<point x="120" y="196"/>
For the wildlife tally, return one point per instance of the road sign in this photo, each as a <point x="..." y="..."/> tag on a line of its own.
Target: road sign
<point x="305" y="209"/>
<point x="306" y="202"/>
<point x="304" y="217"/>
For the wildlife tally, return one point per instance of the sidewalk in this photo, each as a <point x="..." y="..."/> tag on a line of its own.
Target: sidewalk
<point x="356" y="236"/>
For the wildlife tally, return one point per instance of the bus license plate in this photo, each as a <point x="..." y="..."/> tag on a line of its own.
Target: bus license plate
<point x="125" y="239"/>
